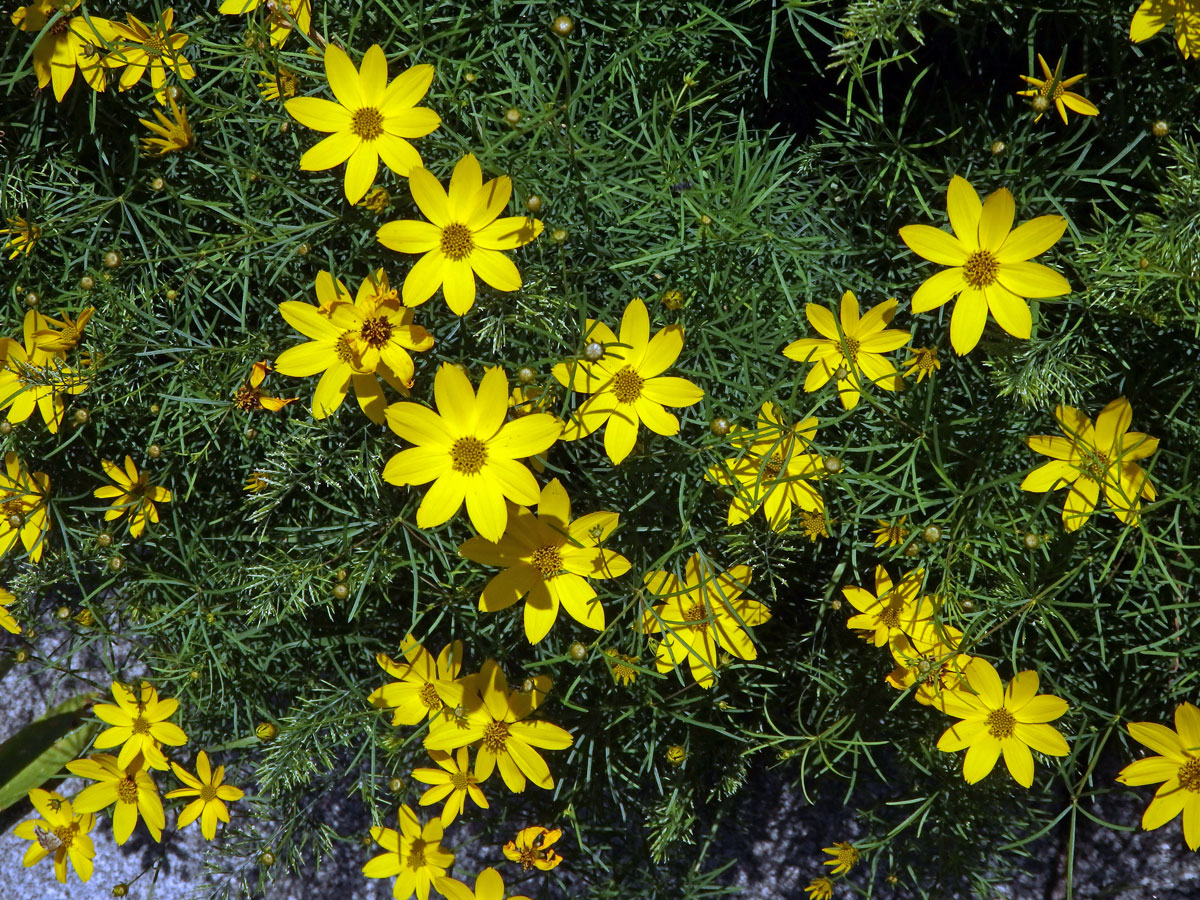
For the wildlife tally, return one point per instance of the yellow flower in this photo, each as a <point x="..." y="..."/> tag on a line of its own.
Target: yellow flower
<point x="892" y="610"/>
<point x="424" y="688"/>
<point x="377" y="200"/>
<point x="256" y="481"/>
<point x="494" y="715"/>
<point x="549" y="558"/>
<point x="923" y="363"/>
<point x="890" y="534"/>
<point x="249" y="397"/>
<point x="284" y="15"/>
<point x="211" y="796"/>
<point x="1152" y="15"/>
<point x="67" y="44"/>
<point x="989" y="259"/>
<point x="132" y="493"/>
<point x="23" y="506"/>
<point x="369" y="121"/>
<point x="489" y="885"/>
<point x="468" y="451"/>
<point x="626" y="383"/>
<point x="353" y="344"/>
<point x="174" y="133"/>
<point x="1178" y="768"/>
<point x="819" y="889"/>
<point x="703" y="612"/>
<point x="1054" y="88"/>
<point x="54" y="337"/>
<point x="532" y="848"/>
<point x="929" y="658"/>
<point x="999" y="719"/>
<point x="772" y="472"/>
<point x="61" y="832"/>
<point x="281" y="85"/>
<point x="621" y="665"/>
<point x="414" y="855"/>
<point x="130" y="788"/>
<point x="852" y="353"/>
<point x="24" y="234"/>
<point x="157" y="50"/>
<point x="463" y="238"/>
<point x="31" y="378"/>
<point x="845" y="857"/>
<point x="813" y="525"/>
<point x="138" y="725"/>
<point x="453" y="782"/>
<point x="7" y="622"/>
<point x="1090" y="458"/>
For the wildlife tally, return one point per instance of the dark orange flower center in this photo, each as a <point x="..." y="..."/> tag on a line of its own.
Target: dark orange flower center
<point x="495" y="735"/>
<point x="416" y="855"/>
<point x="344" y="349"/>
<point x="852" y="346"/>
<point x="627" y="385"/>
<point x="548" y="561"/>
<point x="695" y="613"/>
<point x="376" y="332"/>
<point x="367" y="123"/>
<point x="468" y="455"/>
<point x="773" y="467"/>
<point x="457" y="242"/>
<point x="430" y="697"/>
<point x="1000" y="723"/>
<point x="246" y="398"/>
<point x="980" y="269"/>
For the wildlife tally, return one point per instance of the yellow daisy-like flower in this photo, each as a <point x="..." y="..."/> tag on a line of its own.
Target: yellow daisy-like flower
<point x="453" y="782"/>
<point x="819" y="889"/>
<point x="489" y="885"/>
<point x="813" y="525"/>
<point x="1153" y="15"/>
<point x="532" y="848"/>
<point x="285" y="16"/>
<point x="7" y="622"/>
<point x="424" y="688"/>
<point x="60" y="833"/>
<point x="1054" y="88"/>
<point x="850" y="349"/>
<point x="549" y="558"/>
<point x="700" y="614"/>
<point x="845" y="857"/>
<point x="1178" y="768"/>
<point x="23" y="235"/>
<point x="621" y="665"/>
<point x="772" y="472"/>
<point x="31" y="378"/>
<point x="156" y="50"/>
<point x="626" y="383"/>
<point x="1090" y="458"/>
<point x="371" y="119"/>
<point x="174" y="134"/>
<point x="69" y="44"/>
<point x="414" y="854"/>
<point x="130" y="788"/>
<point x="210" y="793"/>
<point x="928" y="658"/>
<point x="923" y="363"/>
<point x="999" y="719"/>
<point x="54" y="337"/>
<point x="139" y="725"/>
<point x="498" y="718"/>
<point x="132" y="493"/>
<point x="250" y="398"/>
<point x="893" y="610"/>
<point x="990" y="264"/>
<point x="23" y="508"/>
<point x="463" y="238"/>
<point x="255" y="482"/>
<point x="468" y="451"/>
<point x="891" y="533"/>
<point x="279" y="86"/>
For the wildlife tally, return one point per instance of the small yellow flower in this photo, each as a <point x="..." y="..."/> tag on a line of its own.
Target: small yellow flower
<point x="1054" y="88"/>
<point x="249" y="397"/>
<point x="131" y="789"/>
<point x="1178" y="768"/>
<point x="424" y="688"/>
<point x="1153" y="15"/>
<point x="55" y="337"/>
<point x="813" y="525"/>
<point x="139" y="725"/>
<point x="23" y="507"/>
<point x="32" y="378"/>
<point x="453" y="782"/>
<point x="7" y="622"/>
<point x="819" y="889"/>
<point x="413" y="854"/>
<point x="532" y="848"/>
<point x="256" y="481"/>
<point x="60" y="833"/>
<point x="23" y="236"/>
<point x="158" y="49"/>
<point x="621" y="665"/>
<point x="923" y="363"/>
<point x="891" y="534"/>
<point x="285" y="16"/>
<point x="845" y="857"/>
<point x="210" y="793"/>
<point x="280" y="86"/>
<point x="132" y="493"/>
<point x="894" y="609"/>
<point x="174" y="133"/>
<point x="377" y="200"/>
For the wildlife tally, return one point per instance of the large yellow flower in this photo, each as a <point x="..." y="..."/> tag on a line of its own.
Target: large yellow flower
<point x="23" y="507"/>
<point x="31" y="378"/>
<point x="61" y="833"/>
<point x="139" y="725"/>
<point x="1178" y="768"/>
<point x="424" y="688"/>
<point x="414" y="854"/>
<point x="284" y="17"/>
<point x="463" y="237"/>
<point x="625" y="380"/>
<point x="999" y="719"/>
<point x="70" y="43"/>
<point x="132" y="493"/>
<point x="1088" y="459"/>
<point x="1054" y="88"/>
<point x="1153" y="15"/>
<point x="701" y="614"/>
<point x="130" y="788"/>
<point x="157" y="49"/>
<point x="549" y="558"/>
<point x="990" y="264"/>
<point x="468" y="451"/>
<point x="370" y="120"/>
<point x="853" y="353"/>
<point x="772" y="472"/>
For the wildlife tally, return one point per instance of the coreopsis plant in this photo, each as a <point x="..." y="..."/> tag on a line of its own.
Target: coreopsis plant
<point x="990" y="268"/>
<point x="700" y="614"/>
<point x="23" y="236"/>
<point x="772" y="471"/>
<point x="1154" y="15"/>
<point x="279" y="85"/>
<point x="896" y="608"/>
<point x="1177" y="767"/>
<point x="414" y="855"/>
<point x="1053" y="88"/>
<point x="845" y="857"/>
<point x="625" y="384"/>
<point x="819" y="889"/>
<point x="139" y="725"/>
<point x="23" y="508"/>
<point x="548" y="559"/>
<point x="1001" y="719"/>
<point x="61" y="833"/>
<point x="157" y="50"/>
<point x="922" y="364"/>
<point x="31" y="378"/>
<point x="211" y="794"/>
<point x="850" y="349"/>
<point x="424" y="688"/>
<point x="69" y="45"/>
<point x="131" y="493"/>
<point x="128" y="789"/>
<point x="464" y="237"/>
<point x="929" y="659"/>
<point x="170" y="134"/>
<point x="468" y="451"/>
<point x="533" y="848"/>
<point x="453" y="781"/>
<point x="371" y="120"/>
<point x="54" y="337"/>
<point x="250" y="397"/>
<point x="891" y="532"/>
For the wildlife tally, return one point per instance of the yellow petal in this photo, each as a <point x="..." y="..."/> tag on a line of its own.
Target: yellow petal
<point x="343" y="77"/>
<point x="966" y="324"/>
<point x="934" y="244"/>
<point x="965" y="209"/>
<point x="1032" y="239"/>
<point x="1030" y="279"/>
<point x="996" y="220"/>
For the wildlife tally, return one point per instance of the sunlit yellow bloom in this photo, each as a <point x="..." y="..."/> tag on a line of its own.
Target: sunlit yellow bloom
<point x="211" y="796"/>
<point x="700" y="614"/>
<point x="7" y="622"/>
<point x="132" y="493"/>
<point x="31" y="378"/>
<point x="370" y="120"/>
<point x="845" y="857"/>
<point x="532" y="848"/>
<point x="68" y="44"/>
<point x="54" y="337"/>
<point x="23" y="507"/>
<point x="929" y="658"/>
<point x="280" y="86"/>
<point x="463" y="238"/>
<point x="850" y="349"/>
<point x="894" y="609"/>
<point x="1090" y="458"/>
<point x="626" y="383"/>
<point x="621" y="665"/>
<point x="130" y="788"/>
<point x="819" y="889"/>
<point x="890" y="534"/>
<point x="1054" y="88"/>
<point x="174" y="133"/>
<point x="453" y="782"/>
<point x="990" y="264"/>
<point x="139" y="725"/>
<point x="1178" y="768"/>
<point x="813" y="525"/>
<point x="284" y="16"/>
<point x="156" y="49"/>
<point x="923" y="363"/>
<point x="1150" y="19"/>
<point x="23" y="235"/>
<point x="999" y="719"/>
<point x="414" y="854"/>
<point x="61" y="833"/>
<point x="250" y="398"/>
<point x="424" y="688"/>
